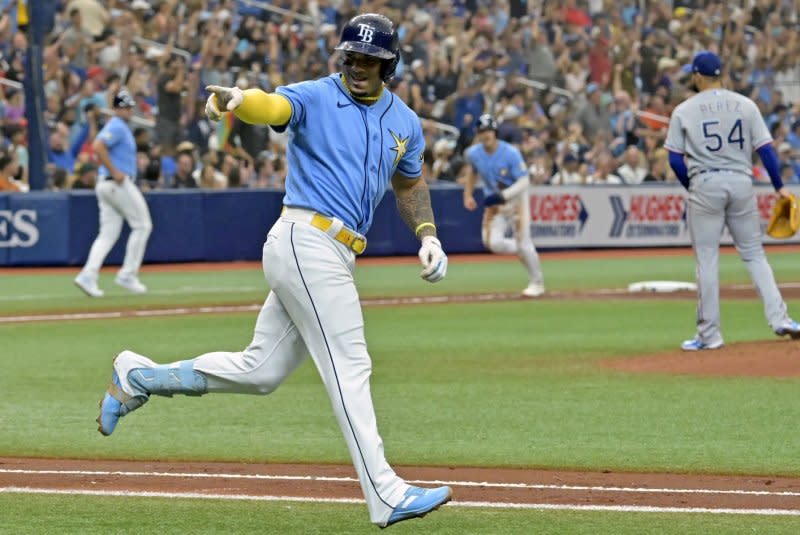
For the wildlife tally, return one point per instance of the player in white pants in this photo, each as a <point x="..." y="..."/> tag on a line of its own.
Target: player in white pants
<point x="118" y="199"/>
<point x="506" y="200"/>
<point x="350" y="137"/>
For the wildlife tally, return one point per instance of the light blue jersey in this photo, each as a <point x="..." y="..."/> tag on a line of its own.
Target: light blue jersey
<point x="347" y="180"/>
<point x="121" y="146"/>
<point x="499" y="169"/>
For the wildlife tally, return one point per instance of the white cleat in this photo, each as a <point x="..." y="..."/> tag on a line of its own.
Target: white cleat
<point x="533" y="290"/>
<point x="131" y="284"/>
<point x="88" y="286"/>
<point x="695" y="344"/>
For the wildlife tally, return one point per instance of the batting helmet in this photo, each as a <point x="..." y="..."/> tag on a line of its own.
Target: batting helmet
<point x="373" y="35"/>
<point x="487" y="122"/>
<point x="123" y="99"/>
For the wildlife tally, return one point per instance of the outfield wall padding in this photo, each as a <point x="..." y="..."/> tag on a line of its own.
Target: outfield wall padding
<point x="57" y="228"/>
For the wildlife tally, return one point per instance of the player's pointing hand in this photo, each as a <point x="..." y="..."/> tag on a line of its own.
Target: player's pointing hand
<point x="222" y="99"/>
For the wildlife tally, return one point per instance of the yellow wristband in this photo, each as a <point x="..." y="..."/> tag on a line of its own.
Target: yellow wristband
<point x="422" y="226"/>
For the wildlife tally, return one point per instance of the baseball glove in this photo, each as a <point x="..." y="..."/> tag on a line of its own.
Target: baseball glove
<point x="785" y="218"/>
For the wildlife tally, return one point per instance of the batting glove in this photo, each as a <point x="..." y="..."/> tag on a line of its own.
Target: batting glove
<point x="433" y="259"/>
<point x="227" y="98"/>
<point x="494" y="199"/>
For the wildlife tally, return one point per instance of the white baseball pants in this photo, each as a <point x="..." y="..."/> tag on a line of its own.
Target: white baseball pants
<point x="514" y="214"/>
<point x="118" y="203"/>
<point x="313" y="307"/>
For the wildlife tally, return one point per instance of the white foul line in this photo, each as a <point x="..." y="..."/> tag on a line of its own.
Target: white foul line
<point x="455" y="483"/>
<point x="182" y="311"/>
<point x="493" y="505"/>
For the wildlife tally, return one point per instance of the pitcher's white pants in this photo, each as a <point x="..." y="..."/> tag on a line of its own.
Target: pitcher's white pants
<point x="118" y="203"/>
<point x="314" y="308"/>
<point x="514" y="214"/>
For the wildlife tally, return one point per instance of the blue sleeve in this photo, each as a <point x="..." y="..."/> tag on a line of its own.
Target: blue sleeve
<point x="679" y="166"/>
<point x="80" y="139"/>
<point x="411" y="163"/>
<point x="770" y="160"/>
<point x="109" y="135"/>
<point x="299" y="96"/>
<point x="469" y="154"/>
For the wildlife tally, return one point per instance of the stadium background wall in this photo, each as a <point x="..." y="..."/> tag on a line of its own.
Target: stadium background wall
<point x="57" y="228"/>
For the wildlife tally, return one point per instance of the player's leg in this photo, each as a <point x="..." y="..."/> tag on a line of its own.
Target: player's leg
<point x="319" y="293"/>
<point x="275" y="351"/>
<point x="706" y="217"/>
<point x="134" y="207"/>
<point x="743" y="223"/>
<point x="496" y="224"/>
<point x="273" y="354"/>
<point x="110" y="226"/>
<point x="526" y="250"/>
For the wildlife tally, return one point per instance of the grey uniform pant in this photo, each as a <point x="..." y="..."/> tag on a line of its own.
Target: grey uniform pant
<point x="717" y="200"/>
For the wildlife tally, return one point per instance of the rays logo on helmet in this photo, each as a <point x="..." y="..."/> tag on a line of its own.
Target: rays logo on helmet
<point x="373" y="35"/>
<point x="365" y="33"/>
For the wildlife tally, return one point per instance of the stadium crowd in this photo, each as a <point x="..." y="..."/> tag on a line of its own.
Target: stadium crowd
<point x="583" y="88"/>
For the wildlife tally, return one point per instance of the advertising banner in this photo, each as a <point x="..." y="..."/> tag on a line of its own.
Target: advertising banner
<point x="57" y="228"/>
<point x="619" y="216"/>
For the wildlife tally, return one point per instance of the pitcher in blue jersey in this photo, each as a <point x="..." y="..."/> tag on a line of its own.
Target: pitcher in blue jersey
<point x="506" y="190"/>
<point x="349" y="138"/>
<point x="118" y="199"/>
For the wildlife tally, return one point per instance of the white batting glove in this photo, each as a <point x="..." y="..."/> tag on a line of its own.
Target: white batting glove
<point x="433" y="259"/>
<point x="227" y="98"/>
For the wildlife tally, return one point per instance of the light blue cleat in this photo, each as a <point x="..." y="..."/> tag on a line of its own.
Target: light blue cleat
<point x="119" y="400"/>
<point x="418" y="502"/>
<point x="135" y="378"/>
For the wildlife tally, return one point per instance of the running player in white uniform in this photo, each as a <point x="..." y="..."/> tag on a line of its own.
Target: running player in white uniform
<point x="506" y="200"/>
<point x="119" y="199"/>
<point x="711" y="138"/>
<point x="349" y="137"/>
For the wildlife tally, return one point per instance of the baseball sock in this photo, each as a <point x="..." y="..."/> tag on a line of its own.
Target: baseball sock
<point x="166" y="380"/>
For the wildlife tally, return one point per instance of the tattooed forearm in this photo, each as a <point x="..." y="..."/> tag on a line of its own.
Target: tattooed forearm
<point x="414" y="205"/>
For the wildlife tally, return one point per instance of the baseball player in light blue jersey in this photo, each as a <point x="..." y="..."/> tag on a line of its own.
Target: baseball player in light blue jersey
<point x="119" y="200"/>
<point x="349" y="137"/>
<point x="506" y="200"/>
<point x="711" y="138"/>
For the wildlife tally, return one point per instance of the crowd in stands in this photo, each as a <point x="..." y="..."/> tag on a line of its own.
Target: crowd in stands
<point x="583" y="87"/>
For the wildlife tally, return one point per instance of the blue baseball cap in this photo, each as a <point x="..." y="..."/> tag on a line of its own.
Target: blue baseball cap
<point x="707" y="63"/>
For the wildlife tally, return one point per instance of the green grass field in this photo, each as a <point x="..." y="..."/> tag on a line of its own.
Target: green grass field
<point x="37" y="515"/>
<point x="513" y="384"/>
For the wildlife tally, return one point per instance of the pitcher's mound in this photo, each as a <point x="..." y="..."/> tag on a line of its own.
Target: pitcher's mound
<point x="772" y="358"/>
